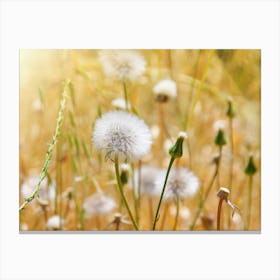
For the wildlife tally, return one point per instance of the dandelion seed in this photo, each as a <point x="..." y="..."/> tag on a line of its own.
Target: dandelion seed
<point x="122" y="64"/>
<point x="119" y="104"/>
<point x="165" y="90"/>
<point x="181" y="184"/>
<point x="122" y="134"/>
<point x="47" y="192"/>
<point x="54" y="222"/>
<point x="98" y="203"/>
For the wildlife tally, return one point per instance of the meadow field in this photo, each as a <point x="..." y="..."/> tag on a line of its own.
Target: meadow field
<point x="125" y="140"/>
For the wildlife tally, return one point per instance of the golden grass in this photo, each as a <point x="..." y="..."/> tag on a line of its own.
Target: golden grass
<point x="205" y="80"/>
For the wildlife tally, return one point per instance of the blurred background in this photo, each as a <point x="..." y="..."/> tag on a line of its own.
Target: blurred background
<point x="206" y="80"/>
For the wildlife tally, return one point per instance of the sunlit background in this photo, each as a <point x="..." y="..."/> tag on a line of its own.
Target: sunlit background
<point x="206" y="81"/>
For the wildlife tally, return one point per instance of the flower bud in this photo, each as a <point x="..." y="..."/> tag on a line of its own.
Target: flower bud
<point x="220" y="139"/>
<point x="176" y="151"/>
<point x="230" y="110"/>
<point x="124" y="173"/>
<point x="250" y="168"/>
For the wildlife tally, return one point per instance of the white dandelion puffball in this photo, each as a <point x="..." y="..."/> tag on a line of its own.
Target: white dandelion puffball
<point x="165" y="90"/>
<point x="119" y="103"/>
<point x="54" y="222"/>
<point x="181" y="184"/>
<point x="122" y="64"/>
<point x="122" y="134"/>
<point x="149" y="176"/>
<point x="47" y="192"/>
<point x="98" y="203"/>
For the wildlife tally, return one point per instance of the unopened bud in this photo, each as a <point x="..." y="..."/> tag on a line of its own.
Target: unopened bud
<point x="176" y="151"/>
<point x="250" y="168"/>
<point x="220" y="139"/>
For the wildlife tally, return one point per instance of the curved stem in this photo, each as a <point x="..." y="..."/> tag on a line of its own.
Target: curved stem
<point x="162" y="193"/>
<point x="120" y="188"/>
<point x="51" y="147"/>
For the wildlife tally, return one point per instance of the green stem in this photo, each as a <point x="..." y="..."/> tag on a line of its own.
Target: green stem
<point x="162" y="193"/>
<point x="177" y="213"/>
<point x="49" y="153"/>
<point x="125" y="96"/>
<point x="120" y="188"/>
<point x="231" y="166"/>
<point x="135" y="194"/>
<point x="218" y="166"/>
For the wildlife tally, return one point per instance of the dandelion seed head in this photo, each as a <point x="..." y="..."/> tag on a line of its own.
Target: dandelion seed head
<point x="122" y="134"/>
<point x="122" y="64"/>
<point x="53" y="222"/>
<point x="165" y="90"/>
<point x="181" y="183"/>
<point x="149" y="176"/>
<point x="119" y="103"/>
<point x="98" y="203"/>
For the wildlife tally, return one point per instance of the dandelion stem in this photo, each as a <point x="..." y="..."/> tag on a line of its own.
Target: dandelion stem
<point x="162" y="193"/>
<point x="120" y="188"/>
<point x="219" y="213"/>
<point x="49" y="153"/>
<point x="151" y="210"/>
<point x="125" y="96"/>
<point x="139" y="191"/>
<point x="165" y="210"/>
<point x="231" y="164"/>
<point x="249" y="202"/>
<point x="177" y="213"/>
<point x="135" y="194"/>
<point x="232" y="153"/>
<point x="218" y="166"/>
<point x="189" y="152"/>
